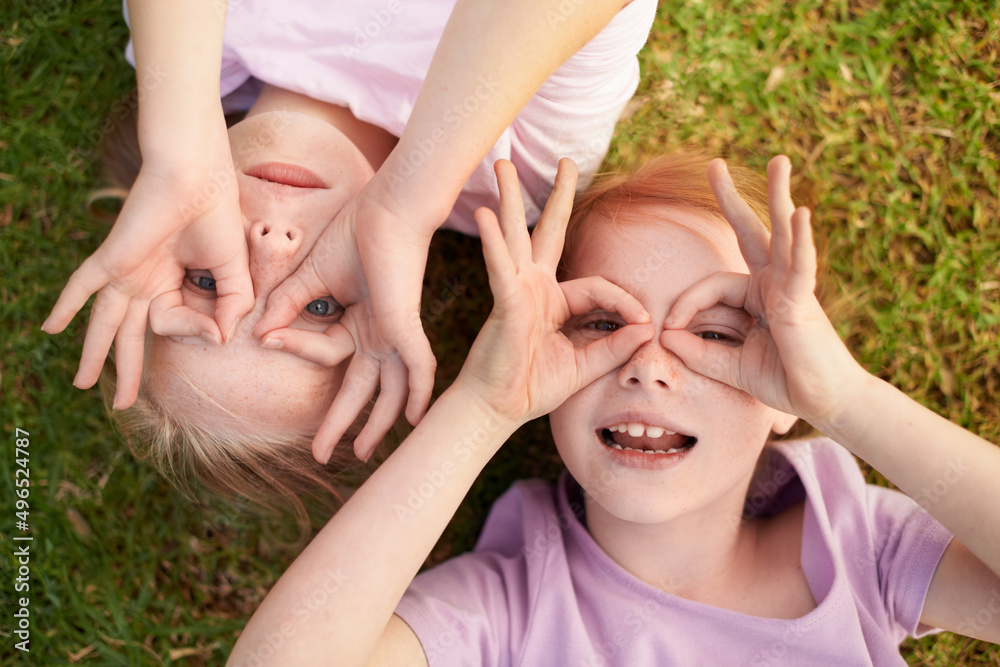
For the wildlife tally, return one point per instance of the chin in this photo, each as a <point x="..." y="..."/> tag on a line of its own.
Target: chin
<point x="633" y="503"/>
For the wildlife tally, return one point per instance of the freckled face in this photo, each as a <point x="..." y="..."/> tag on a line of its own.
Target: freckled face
<point x="295" y="172"/>
<point x="718" y="431"/>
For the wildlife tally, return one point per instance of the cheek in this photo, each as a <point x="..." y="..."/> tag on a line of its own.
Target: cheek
<point x="742" y="417"/>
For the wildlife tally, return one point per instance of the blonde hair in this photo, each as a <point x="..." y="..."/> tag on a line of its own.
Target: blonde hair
<point x="275" y="472"/>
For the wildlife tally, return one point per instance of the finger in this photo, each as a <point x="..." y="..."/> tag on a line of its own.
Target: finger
<point x="718" y="362"/>
<point x="327" y="348"/>
<point x="779" y="202"/>
<point x="389" y="404"/>
<point x="550" y="233"/>
<point x="605" y="354"/>
<point x="722" y="287"/>
<point x="586" y="294"/>
<point x="129" y="346"/>
<point x="234" y="292"/>
<point x="512" y="220"/>
<point x="421" y="366"/>
<point x="168" y="316"/>
<point x="499" y="266"/>
<point x="86" y="280"/>
<point x="357" y="389"/>
<point x="417" y="357"/>
<point x="750" y="231"/>
<point x="106" y="315"/>
<point x="287" y="300"/>
<point x="802" y="276"/>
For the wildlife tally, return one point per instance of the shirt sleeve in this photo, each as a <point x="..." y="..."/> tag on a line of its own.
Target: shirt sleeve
<point x="909" y="544"/>
<point x="460" y="612"/>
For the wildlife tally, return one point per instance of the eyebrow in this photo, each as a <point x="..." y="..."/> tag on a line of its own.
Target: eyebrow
<point x="725" y="310"/>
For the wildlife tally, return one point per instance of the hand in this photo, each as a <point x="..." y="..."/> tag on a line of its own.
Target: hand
<point x="165" y="226"/>
<point x="792" y="359"/>
<point x="372" y="261"/>
<point x="521" y="365"/>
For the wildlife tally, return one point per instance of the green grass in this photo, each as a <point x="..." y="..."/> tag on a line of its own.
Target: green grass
<point x="890" y="116"/>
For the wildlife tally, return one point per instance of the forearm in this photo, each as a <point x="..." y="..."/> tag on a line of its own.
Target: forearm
<point x="338" y="595"/>
<point x="493" y="56"/>
<point x="178" y="54"/>
<point x="952" y="473"/>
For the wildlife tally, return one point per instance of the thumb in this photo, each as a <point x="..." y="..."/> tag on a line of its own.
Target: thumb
<point x="327" y="348"/>
<point x="287" y="300"/>
<point x="168" y="316"/>
<point x="718" y="362"/>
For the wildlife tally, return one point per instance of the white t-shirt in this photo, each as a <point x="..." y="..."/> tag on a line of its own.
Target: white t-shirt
<point x="372" y="56"/>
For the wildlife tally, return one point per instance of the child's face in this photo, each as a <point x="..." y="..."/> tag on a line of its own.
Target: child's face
<point x="265" y="388"/>
<point x="719" y="431"/>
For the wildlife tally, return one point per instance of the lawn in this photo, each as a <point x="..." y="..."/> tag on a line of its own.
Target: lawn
<point x="890" y="113"/>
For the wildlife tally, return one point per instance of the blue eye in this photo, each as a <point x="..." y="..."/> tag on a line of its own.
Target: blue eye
<point x="326" y="310"/>
<point x="719" y="337"/>
<point x="319" y="307"/>
<point x="604" y="326"/>
<point x="200" y="282"/>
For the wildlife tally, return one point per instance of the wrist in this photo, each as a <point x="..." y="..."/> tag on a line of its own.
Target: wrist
<point x="493" y="425"/>
<point x="853" y="414"/>
<point x="189" y="141"/>
<point x="402" y="186"/>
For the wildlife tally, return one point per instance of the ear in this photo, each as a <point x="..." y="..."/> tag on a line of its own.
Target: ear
<point x="783" y="422"/>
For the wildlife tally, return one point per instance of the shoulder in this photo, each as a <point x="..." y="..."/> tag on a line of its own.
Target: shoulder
<point x="479" y="605"/>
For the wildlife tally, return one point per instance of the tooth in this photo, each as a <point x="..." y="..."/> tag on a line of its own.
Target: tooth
<point x="650" y="451"/>
<point x="675" y="450"/>
<point x="655" y="431"/>
<point x="617" y="446"/>
<point x="622" y="428"/>
<point x="636" y="430"/>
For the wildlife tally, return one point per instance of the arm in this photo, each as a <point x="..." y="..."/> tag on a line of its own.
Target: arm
<point x="499" y="54"/>
<point x="794" y="361"/>
<point x="520" y="367"/>
<point x="182" y="212"/>
<point x="953" y="474"/>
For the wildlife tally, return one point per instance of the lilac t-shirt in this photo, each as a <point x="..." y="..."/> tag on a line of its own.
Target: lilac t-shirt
<point x="537" y="590"/>
<point x="372" y="56"/>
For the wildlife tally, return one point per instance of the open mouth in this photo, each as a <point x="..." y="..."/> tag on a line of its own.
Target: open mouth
<point x="286" y="174"/>
<point x="646" y="439"/>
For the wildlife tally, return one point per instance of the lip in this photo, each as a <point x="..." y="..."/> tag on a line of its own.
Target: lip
<point x="638" y="460"/>
<point x="282" y="173"/>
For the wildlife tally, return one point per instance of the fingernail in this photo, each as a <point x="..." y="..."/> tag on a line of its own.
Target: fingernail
<point x="115" y="403"/>
<point x="44" y="325"/>
<point x="272" y="343"/>
<point x="211" y="337"/>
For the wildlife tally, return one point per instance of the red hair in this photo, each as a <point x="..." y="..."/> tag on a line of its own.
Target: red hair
<point x="677" y="180"/>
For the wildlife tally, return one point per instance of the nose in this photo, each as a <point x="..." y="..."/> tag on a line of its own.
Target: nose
<point x="652" y="367"/>
<point x="273" y="249"/>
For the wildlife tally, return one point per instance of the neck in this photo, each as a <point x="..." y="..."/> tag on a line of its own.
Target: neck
<point x="374" y="142"/>
<point x="705" y="556"/>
